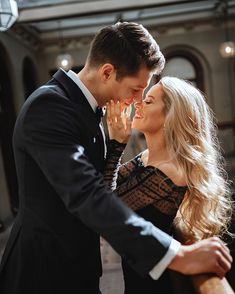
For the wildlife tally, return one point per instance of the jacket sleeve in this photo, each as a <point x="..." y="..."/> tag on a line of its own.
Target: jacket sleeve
<point x="51" y="135"/>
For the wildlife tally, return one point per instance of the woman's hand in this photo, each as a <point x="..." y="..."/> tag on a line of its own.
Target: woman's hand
<point x="118" y="121"/>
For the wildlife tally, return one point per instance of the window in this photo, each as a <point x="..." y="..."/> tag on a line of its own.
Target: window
<point x="183" y="62"/>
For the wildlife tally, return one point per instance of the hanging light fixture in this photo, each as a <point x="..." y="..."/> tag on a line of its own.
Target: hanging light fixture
<point x="64" y="60"/>
<point x="8" y="14"/>
<point x="227" y="48"/>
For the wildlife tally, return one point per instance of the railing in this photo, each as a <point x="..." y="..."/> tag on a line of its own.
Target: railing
<point x="210" y="284"/>
<point x="226" y="125"/>
<point x="198" y="284"/>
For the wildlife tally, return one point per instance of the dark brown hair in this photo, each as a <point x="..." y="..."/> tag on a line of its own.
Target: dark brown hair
<point x="128" y="47"/>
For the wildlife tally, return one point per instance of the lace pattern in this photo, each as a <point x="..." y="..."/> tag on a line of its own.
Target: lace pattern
<point x="139" y="186"/>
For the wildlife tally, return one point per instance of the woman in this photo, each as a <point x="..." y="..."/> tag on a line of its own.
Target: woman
<point x="178" y="181"/>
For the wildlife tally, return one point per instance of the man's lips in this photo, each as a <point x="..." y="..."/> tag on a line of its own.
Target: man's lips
<point x="137" y="107"/>
<point x="138" y="113"/>
<point x="138" y="116"/>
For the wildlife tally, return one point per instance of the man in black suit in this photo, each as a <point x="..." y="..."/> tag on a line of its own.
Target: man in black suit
<point x="64" y="205"/>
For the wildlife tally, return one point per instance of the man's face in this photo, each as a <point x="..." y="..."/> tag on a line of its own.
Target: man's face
<point x="127" y="89"/>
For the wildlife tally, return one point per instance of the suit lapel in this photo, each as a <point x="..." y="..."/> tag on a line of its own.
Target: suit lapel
<point x="86" y="113"/>
<point x="75" y="94"/>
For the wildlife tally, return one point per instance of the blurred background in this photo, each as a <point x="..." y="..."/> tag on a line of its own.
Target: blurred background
<point x="39" y="36"/>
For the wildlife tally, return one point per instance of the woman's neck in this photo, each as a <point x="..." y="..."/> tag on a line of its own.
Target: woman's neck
<point x="157" y="150"/>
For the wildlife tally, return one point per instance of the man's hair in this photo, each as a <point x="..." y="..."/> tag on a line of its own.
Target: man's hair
<point x="128" y="47"/>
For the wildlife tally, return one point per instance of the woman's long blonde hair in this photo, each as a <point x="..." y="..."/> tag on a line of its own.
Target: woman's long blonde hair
<point x="191" y="138"/>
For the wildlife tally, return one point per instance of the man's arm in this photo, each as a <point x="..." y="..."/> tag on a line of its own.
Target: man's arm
<point x="50" y="132"/>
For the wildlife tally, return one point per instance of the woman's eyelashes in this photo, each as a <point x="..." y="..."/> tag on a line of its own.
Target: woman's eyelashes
<point x="147" y="101"/>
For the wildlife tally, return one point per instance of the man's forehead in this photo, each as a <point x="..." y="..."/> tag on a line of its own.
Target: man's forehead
<point x="141" y="83"/>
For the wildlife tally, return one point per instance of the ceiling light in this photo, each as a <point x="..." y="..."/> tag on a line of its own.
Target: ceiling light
<point x="227" y="49"/>
<point x="8" y="14"/>
<point x="65" y="61"/>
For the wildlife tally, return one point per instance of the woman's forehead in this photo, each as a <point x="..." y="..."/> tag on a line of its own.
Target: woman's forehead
<point x="156" y="90"/>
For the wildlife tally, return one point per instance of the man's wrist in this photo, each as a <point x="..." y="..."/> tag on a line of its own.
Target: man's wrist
<point x="177" y="263"/>
<point x="160" y="267"/>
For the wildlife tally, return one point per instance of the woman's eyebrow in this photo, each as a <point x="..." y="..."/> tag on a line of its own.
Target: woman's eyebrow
<point x="150" y="96"/>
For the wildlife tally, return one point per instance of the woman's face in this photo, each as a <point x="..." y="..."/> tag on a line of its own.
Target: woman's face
<point x="150" y="113"/>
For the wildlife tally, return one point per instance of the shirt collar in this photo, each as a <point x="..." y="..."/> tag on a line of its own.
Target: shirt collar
<point x="90" y="98"/>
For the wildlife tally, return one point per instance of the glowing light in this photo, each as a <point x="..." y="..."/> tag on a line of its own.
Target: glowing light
<point x="227" y="49"/>
<point x="64" y="61"/>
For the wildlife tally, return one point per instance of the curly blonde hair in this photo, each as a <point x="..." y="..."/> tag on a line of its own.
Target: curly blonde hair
<point x="191" y="138"/>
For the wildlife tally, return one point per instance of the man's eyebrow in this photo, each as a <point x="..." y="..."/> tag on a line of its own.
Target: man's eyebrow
<point x="141" y="86"/>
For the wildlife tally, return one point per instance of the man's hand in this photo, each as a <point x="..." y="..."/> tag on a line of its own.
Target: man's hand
<point x="118" y="121"/>
<point x="206" y="256"/>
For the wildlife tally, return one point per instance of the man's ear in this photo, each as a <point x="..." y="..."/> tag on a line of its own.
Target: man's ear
<point x="107" y="70"/>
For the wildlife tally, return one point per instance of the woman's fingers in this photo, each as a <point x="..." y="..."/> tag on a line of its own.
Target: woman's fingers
<point x="118" y="112"/>
<point x="108" y="116"/>
<point x="119" y="116"/>
<point x="118" y="121"/>
<point x="128" y="126"/>
<point x="111" y="112"/>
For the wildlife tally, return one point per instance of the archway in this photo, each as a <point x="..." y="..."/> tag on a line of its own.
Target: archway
<point x="7" y="120"/>
<point x="183" y="55"/>
<point x="30" y="79"/>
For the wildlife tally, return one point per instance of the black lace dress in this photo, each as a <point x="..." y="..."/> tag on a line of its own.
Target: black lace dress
<point x="153" y="196"/>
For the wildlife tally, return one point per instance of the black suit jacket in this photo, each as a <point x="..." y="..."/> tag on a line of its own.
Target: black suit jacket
<point x="64" y="204"/>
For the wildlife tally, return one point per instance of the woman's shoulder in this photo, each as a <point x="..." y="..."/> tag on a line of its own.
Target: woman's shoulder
<point x="173" y="172"/>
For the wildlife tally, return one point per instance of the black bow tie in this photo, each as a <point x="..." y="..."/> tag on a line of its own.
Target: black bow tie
<point x="100" y="111"/>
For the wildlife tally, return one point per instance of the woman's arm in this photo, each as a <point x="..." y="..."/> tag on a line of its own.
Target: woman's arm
<point x="113" y="163"/>
<point x="119" y="127"/>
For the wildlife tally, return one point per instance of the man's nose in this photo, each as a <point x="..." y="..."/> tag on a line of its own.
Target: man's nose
<point x="138" y="97"/>
<point x="138" y="105"/>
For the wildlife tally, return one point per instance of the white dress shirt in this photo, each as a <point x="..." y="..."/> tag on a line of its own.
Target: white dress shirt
<point x="160" y="267"/>
<point x="90" y="98"/>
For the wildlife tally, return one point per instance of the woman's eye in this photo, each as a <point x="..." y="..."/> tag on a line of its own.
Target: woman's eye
<point x="147" y="102"/>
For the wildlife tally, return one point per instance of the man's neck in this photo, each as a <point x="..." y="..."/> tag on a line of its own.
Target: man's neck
<point x="89" y="79"/>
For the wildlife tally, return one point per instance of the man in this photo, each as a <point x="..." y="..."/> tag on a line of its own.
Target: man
<point x="64" y="204"/>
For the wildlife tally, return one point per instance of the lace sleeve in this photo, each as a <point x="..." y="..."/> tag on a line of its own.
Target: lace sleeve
<point x="148" y="185"/>
<point x="112" y="163"/>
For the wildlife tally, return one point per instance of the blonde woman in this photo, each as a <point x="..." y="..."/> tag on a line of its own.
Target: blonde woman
<point x="178" y="181"/>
